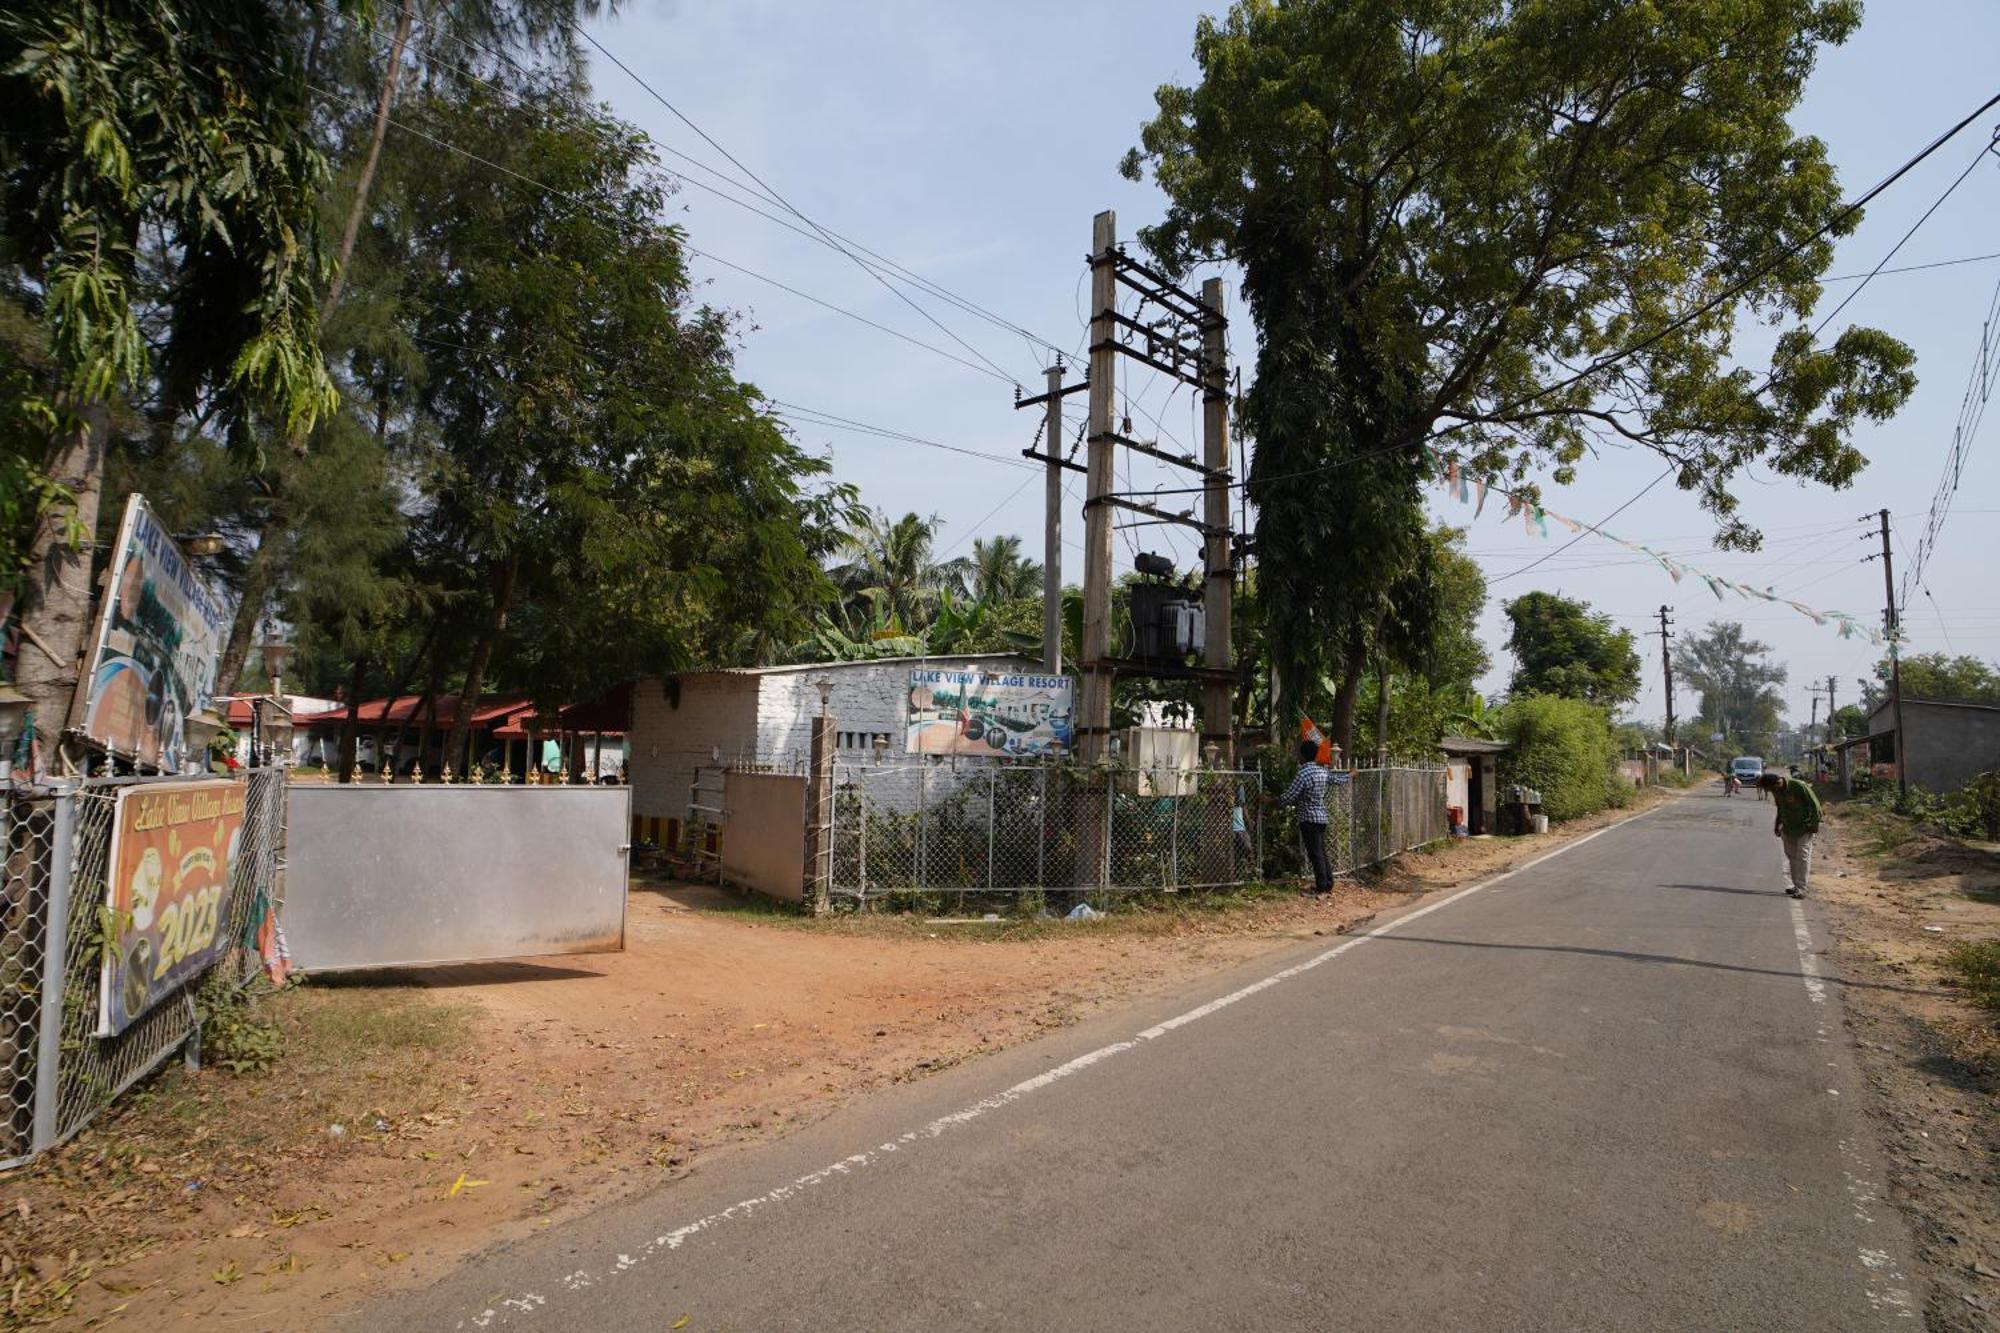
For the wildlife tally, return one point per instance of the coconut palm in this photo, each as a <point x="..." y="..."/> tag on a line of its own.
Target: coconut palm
<point x="997" y="572"/>
<point x="892" y="563"/>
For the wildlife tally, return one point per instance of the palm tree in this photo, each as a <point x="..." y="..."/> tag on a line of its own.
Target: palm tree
<point x="997" y="571"/>
<point x="891" y="563"/>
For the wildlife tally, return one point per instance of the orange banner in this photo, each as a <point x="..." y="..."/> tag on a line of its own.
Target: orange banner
<point x="172" y="848"/>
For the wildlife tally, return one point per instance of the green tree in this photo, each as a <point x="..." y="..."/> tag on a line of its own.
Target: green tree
<point x="1561" y="647"/>
<point x="161" y="132"/>
<point x="1563" y="748"/>
<point x="1850" y="720"/>
<point x="1738" y="687"/>
<point x="1953" y="679"/>
<point x="1432" y="691"/>
<point x="609" y="499"/>
<point x="892" y="563"/>
<point x="457" y="46"/>
<point x="1442" y="208"/>
<point x="998" y="572"/>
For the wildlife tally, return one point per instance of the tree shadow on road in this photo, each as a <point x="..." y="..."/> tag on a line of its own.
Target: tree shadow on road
<point x="1719" y="888"/>
<point x="1631" y="956"/>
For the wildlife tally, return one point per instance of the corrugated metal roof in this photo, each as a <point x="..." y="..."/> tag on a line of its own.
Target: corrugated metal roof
<point x="940" y="658"/>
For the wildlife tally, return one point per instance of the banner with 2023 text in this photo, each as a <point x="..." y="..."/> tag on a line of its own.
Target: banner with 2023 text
<point x="173" y="845"/>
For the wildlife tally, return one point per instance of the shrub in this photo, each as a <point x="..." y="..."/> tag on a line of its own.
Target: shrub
<point x="234" y="1034"/>
<point x="1562" y="748"/>
<point x="1978" y="967"/>
<point x="1979" y="802"/>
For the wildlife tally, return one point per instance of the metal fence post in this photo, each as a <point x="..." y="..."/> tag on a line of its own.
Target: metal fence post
<point x="55" y="950"/>
<point x="1042" y="833"/>
<point x="861" y="856"/>
<point x="1110" y="831"/>
<point x="992" y="780"/>
<point x="1174" y="845"/>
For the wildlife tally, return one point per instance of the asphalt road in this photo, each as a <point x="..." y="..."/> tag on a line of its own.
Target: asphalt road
<point x="1609" y="1091"/>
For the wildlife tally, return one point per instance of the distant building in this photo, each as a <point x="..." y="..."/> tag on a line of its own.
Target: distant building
<point x="1947" y="744"/>
<point x="1472" y="781"/>
<point x="704" y="719"/>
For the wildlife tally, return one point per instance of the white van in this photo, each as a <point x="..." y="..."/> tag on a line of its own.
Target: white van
<point x="1745" y="768"/>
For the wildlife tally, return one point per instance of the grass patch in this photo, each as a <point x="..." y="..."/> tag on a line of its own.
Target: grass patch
<point x="1976" y="964"/>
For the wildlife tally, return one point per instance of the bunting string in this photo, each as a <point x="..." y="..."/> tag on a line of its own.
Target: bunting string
<point x="1459" y="485"/>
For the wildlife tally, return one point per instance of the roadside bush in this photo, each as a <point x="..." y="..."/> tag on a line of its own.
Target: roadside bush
<point x="234" y="1034"/>
<point x="1963" y="813"/>
<point x="1977" y="964"/>
<point x="1564" y="749"/>
<point x="1979" y="800"/>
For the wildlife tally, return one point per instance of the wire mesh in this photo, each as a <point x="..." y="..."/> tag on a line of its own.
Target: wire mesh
<point x="901" y="829"/>
<point x="30" y="841"/>
<point x="58" y="1073"/>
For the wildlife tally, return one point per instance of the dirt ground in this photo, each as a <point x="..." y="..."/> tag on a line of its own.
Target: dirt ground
<point x="1897" y="899"/>
<point x="418" y="1116"/>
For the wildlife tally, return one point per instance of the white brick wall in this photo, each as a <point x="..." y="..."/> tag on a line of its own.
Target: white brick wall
<point x="765" y="716"/>
<point x="716" y="712"/>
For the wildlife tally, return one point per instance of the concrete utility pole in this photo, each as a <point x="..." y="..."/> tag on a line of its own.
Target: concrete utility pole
<point x="1667" y="666"/>
<point x="1893" y="623"/>
<point x="1094" y="724"/>
<point x="1830" y="708"/>
<point x="1052" y="617"/>
<point x="1218" y="695"/>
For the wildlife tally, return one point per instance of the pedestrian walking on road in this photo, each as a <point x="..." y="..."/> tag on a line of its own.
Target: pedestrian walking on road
<point x="1798" y="820"/>
<point x="1307" y="796"/>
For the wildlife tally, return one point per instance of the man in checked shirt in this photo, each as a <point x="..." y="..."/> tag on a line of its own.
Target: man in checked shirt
<point x="1307" y="796"/>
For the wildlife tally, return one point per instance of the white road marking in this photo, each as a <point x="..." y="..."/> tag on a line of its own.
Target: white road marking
<point x="674" y="1239"/>
<point x="1808" y="960"/>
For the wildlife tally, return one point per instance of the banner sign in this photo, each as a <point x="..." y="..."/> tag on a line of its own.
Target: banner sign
<point x="988" y="714"/>
<point x="160" y="634"/>
<point x="173" y="845"/>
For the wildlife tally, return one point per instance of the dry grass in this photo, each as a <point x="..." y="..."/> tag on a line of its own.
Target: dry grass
<point x="161" y="1163"/>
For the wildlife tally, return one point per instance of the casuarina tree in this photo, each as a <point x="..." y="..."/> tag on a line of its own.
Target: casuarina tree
<point x="161" y="133"/>
<point x="1737" y="684"/>
<point x="1499" y="228"/>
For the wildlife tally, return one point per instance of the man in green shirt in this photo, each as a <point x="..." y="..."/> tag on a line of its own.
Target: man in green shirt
<point x="1798" y="820"/>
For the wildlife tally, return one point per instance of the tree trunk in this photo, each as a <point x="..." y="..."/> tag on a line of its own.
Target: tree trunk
<point x="350" y="726"/>
<point x="1381" y="714"/>
<point x="55" y="595"/>
<point x="1341" y="727"/>
<point x="459" y="746"/>
<point x="258" y="576"/>
<point x="362" y="186"/>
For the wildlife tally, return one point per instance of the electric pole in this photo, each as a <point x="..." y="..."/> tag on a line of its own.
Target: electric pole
<point x="1218" y="692"/>
<point x="1052" y="494"/>
<point x="1830" y="706"/>
<point x="1892" y="623"/>
<point x="1051" y="458"/>
<point x="1095" y="723"/>
<point x="1667" y="666"/>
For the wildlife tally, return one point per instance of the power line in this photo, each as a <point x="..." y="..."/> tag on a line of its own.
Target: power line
<point x="1610" y="359"/>
<point x="1588" y="530"/>
<point x="822" y="235"/>
<point x="1912" y="268"/>
<point x="785" y="203"/>
<point x="1971" y="413"/>
<point x="834" y="421"/>
<point x="589" y="205"/>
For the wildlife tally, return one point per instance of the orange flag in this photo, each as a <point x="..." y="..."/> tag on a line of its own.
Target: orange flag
<point x="1309" y="731"/>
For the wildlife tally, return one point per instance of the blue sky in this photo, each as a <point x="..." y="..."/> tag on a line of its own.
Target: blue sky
<point x="972" y="144"/>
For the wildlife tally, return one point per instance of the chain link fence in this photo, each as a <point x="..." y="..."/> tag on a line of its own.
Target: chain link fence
<point x="902" y="829"/>
<point x="914" y="829"/>
<point x="55" y="1072"/>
